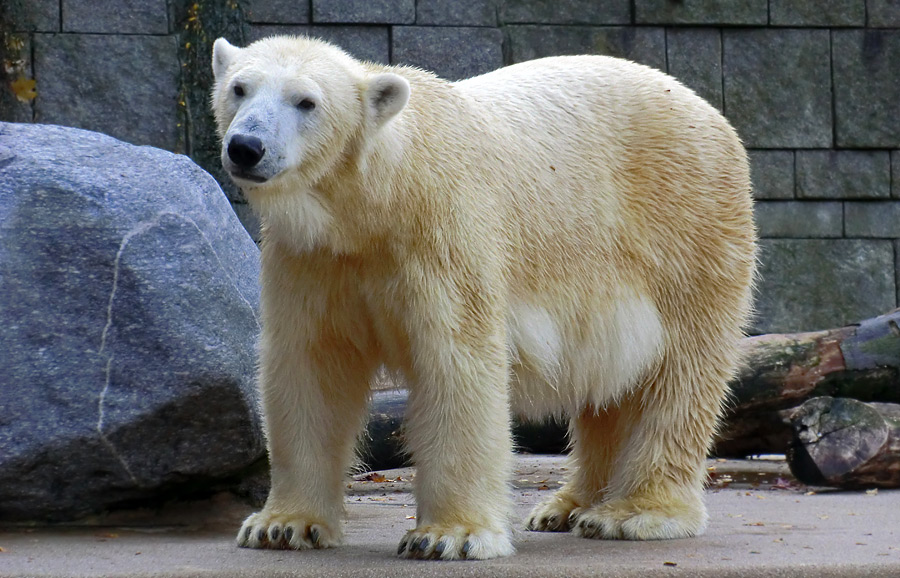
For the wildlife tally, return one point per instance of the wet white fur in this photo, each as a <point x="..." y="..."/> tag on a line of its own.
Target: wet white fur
<point x="569" y="235"/>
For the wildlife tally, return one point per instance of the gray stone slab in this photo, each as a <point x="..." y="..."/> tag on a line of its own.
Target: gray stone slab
<point x="743" y="12"/>
<point x="451" y="52"/>
<point x="811" y="284"/>
<point x="883" y="13"/>
<point x="843" y="174"/>
<point x="695" y="58"/>
<point x="897" y="267"/>
<point x="799" y="219"/>
<point x="778" y="87"/>
<point x="880" y="219"/>
<point x="867" y="88"/>
<point x="565" y="12"/>
<point x="129" y="297"/>
<point x="363" y="42"/>
<point x="646" y="45"/>
<point x="455" y="13"/>
<point x="116" y="16"/>
<point x="772" y="173"/>
<point x="819" y="13"/>
<point x="364" y="11"/>
<point x="33" y="15"/>
<point x="895" y="174"/>
<point x="278" y="11"/>
<point x="130" y="93"/>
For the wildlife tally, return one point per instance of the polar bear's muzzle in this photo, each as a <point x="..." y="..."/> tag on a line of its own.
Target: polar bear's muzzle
<point x="245" y="152"/>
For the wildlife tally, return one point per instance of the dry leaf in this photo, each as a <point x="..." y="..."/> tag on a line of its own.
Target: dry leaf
<point x="670" y="564"/>
<point x="25" y="89"/>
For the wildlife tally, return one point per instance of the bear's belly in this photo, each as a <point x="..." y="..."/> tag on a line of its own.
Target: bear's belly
<point x="563" y="360"/>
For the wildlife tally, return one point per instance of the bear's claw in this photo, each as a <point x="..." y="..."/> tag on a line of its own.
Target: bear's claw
<point x="262" y="530"/>
<point x="557" y="514"/>
<point x="453" y="543"/>
<point x="638" y="519"/>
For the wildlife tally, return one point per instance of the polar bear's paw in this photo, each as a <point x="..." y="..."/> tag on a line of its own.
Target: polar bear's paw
<point x="640" y="519"/>
<point x="553" y="514"/>
<point x="286" y="532"/>
<point x="435" y="542"/>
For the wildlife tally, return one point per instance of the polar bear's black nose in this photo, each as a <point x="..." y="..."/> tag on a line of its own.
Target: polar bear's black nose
<point x="245" y="151"/>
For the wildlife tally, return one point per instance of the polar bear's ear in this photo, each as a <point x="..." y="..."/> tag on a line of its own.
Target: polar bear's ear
<point x="386" y="95"/>
<point x="223" y="55"/>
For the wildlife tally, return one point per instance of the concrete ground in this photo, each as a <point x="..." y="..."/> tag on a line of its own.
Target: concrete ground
<point x="762" y="523"/>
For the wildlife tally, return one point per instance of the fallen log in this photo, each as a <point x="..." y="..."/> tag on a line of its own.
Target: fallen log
<point x="845" y="443"/>
<point x="781" y="371"/>
<point x="382" y="443"/>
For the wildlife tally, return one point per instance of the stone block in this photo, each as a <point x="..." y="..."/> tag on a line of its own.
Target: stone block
<point x="130" y="93"/>
<point x="278" y="11"/>
<point x="799" y="220"/>
<point x="646" y="45"/>
<point x="772" y="174"/>
<point x="695" y="58"/>
<point x="450" y="52"/>
<point x="733" y="12"/>
<point x="867" y="88"/>
<point x="820" y="13"/>
<point x="565" y="12"/>
<point x="778" y="87"/>
<point x="364" y="11"/>
<point x="455" y="13"/>
<point x="879" y="219"/>
<point x="115" y="16"/>
<point x="363" y="42"/>
<point x="883" y="13"/>
<point x="895" y="174"/>
<point x="897" y="267"/>
<point x="843" y="174"/>
<point x="33" y="15"/>
<point x="811" y="284"/>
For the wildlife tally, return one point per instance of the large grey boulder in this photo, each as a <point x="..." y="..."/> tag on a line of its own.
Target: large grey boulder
<point x="128" y="319"/>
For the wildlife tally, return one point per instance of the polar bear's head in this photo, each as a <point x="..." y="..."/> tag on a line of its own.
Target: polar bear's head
<point x="289" y="109"/>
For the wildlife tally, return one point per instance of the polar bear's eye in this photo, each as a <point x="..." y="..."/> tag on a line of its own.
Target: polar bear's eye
<point x="306" y="104"/>
<point x="238" y="90"/>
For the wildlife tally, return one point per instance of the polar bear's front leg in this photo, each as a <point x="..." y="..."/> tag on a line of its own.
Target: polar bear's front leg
<point x="314" y="382"/>
<point x="312" y="417"/>
<point x="457" y="428"/>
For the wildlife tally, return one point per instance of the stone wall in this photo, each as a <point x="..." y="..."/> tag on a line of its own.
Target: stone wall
<point x="813" y="88"/>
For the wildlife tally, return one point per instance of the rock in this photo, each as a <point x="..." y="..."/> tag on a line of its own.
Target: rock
<point x="743" y="12"/>
<point x="831" y="174"/>
<point x="792" y="219"/>
<point x="801" y="288"/>
<point x="128" y="301"/>
<point x="451" y="52"/>
<point x="772" y="174"/>
<point x="866" y="88"/>
<point x="565" y="12"/>
<point x="786" y="73"/>
<point x="644" y="44"/>
<point x="131" y="92"/>
<point x="364" y="11"/>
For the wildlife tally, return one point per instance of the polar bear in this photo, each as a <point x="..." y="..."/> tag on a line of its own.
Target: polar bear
<point x="569" y="235"/>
